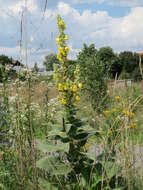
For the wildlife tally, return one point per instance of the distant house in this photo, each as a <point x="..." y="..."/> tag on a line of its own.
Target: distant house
<point x="16" y="63"/>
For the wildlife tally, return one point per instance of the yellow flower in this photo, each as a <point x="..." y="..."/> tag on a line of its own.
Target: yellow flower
<point x="80" y="85"/>
<point x="57" y="41"/>
<point x="77" y="98"/>
<point x="117" y="98"/>
<point x="131" y="114"/>
<point x="106" y="113"/>
<point x="66" y="37"/>
<point x="65" y="87"/>
<point x="61" y="51"/>
<point x="67" y="49"/>
<point x="132" y="125"/>
<point x="61" y="24"/>
<point x="59" y="57"/>
<point x="63" y="101"/>
<point x="74" y="88"/>
<point x="60" y="87"/>
<point x="126" y="112"/>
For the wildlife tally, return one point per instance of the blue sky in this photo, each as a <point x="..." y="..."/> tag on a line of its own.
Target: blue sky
<point x="115" y="23"/>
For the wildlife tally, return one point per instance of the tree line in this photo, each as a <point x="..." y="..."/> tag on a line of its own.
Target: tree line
<point x="125" y="64"/>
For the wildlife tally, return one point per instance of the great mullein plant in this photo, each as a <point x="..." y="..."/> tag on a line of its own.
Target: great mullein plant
<point x="71" y="133"/>
<point x="69" y="95"/>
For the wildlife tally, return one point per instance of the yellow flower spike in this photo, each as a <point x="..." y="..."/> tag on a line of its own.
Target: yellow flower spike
<point x="74" y="88"/>
<point x="63" y="101"/>
<point x="77" y="98"/>
<point x="66" y="37"/>
<point x="80" y="85"/>
<point x="106" y="113"/>
<point x="132" y="126"/>
<point x="60" y="87"/>
<point x="117" y="98"/>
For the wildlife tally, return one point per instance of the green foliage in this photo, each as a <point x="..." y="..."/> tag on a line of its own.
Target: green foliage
<point x="107" y="57"/>
<point x="129" y="61"/>
<point x="5" y="60"/>
<point x="50" y="60"/>
<point x="6" y="68"/>
<point x="93" y="76"/>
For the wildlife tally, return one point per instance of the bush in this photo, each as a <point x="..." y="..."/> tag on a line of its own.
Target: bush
<point x="93" y="76"/>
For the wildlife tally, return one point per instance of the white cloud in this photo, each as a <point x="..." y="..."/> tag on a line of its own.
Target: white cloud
<point x="128" y="3"/>
<point x="17" y="7"/>
<point x="124" y="33"/>
<point x="100" y="28"/>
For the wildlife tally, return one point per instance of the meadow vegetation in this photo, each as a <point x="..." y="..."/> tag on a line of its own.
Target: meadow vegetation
<point x="71" y="132"/>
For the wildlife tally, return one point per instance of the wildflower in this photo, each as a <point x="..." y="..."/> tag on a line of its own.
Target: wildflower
<point x="131" y="114"/>
<point x="132" y="126"/>
<point x="106" y="113"/>
<point x="67" y="49"/>
<point x="61" y="51"/>
<point x="63" y="101"/>
<point x="57" y="41"/>
<point x="61" y="24"/>
<point x="117" y="98"/>
<point x="60" y="87"/>
<point x="80" y="85"/>
<point x="65" y="87"/>
<point x="74" y="88"/>
<point x="66" y="37"/>
<point x="77" y="98"/>
<point x="125" y="112"/>
<point x="59" y="57"/>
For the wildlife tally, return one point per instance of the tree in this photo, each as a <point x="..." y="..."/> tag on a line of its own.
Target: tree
<point x="129" y="61"/>
<point x="35" y="68"/>
<point x="109" y="60"/>
<point x="92" y="76"/>
<point x="50" y="60"/>
<point x="5" y="60"/>
<point x="6" y="67"/>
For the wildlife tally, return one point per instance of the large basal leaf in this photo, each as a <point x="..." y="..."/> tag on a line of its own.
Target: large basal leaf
<point x="48" y="147"/>
<point x="53" y="166"/>
<point x="46" y="185"/>
<point x="111" y="169"/>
